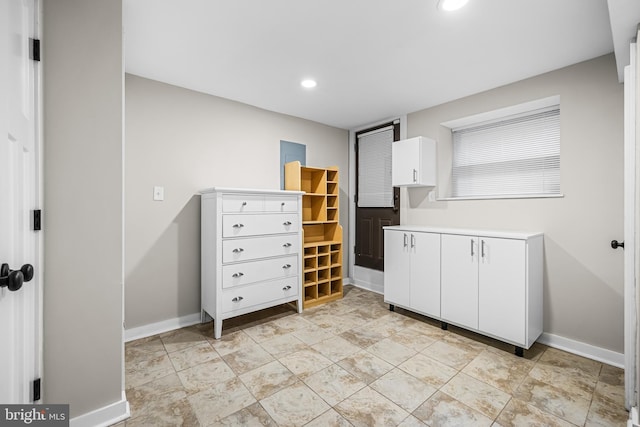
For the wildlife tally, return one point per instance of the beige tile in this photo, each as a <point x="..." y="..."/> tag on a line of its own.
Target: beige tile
<point x="181" y="339"/>
<point x="427" y="329"/>
<point x="312" y="334"/>
<point x="412" y="421"/>
<point x="412" y="339"/>
<point x="611" y="375"/>
<point x="247" y="358"/>
<point x="334" y="384"/>
<point x="553" y="400"/>
<point x="155" y="396"/>
<point x="294" y="406"/>
<point x="231" y="343"/>
<point x="403" y="389"/>
<point x="503" y="371"/>
<point x="143" y="349"/>
<point x="192" y="356"/>
<point x="266" y="331"/>
<point x="251" y="416"/>
<point x="365" y="366"/>
<point x="362" y="337"/>
<point x="454" y="354"/>
<point x="179" y="413"/>
<point x="518" y="413"/>
<point x="268" y="379"/>
<point x="305" y="362"/>
<point x="292" y="322"/>
<point x="369" y="408"/>
<point x="480" y="396"/>
<point x="562" y="359"/>
<point x="329" y="419"/>
<point x="148" y="370"/>
<point x="428" y="370"/>
<point x="391" y="351"/>
<point x="220" y="400"/>
<point x="573" y="381"/>
<point x="283" y="345"/>
<point x="335" y="348"/>
<point x="443" y="410"/>
<point x="205" y="375"/>
<point x="607" y="410"/>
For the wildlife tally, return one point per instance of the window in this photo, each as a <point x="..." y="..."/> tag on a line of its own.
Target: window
<point x="374" y="168"/>
<point x="512" y="156"/>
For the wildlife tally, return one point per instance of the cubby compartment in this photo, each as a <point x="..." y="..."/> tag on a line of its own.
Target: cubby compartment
<point x="324" y="289"/>
<point x="324" y="261"/>
<point x="332" y="214"/>
<point x="336" y="286"/>
<point x="323" y="275"/>
<point x="310" y="263"/>
<point x="314" y="208"/>
<point x="310" y="293"/>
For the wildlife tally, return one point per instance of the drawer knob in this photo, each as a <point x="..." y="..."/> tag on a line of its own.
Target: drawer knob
<point x="244" y="203"/>
<point x="238" y="250"/>
<point x="286" y="223"/>
<point x="286" y="266"/>
<point x="287" y="245"/>
<point x="237" y="299"/>
<point x="238" y="225"/>
<point x="237" y="275"/>
<point x="286" y="288"/>
<point x="282" y="204"/>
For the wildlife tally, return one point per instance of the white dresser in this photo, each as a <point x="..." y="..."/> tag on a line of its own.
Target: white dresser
<point x="251" y="251"/>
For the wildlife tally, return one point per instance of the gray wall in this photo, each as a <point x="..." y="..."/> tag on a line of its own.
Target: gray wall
<point x="187" y="141"/>
<point x="82" y="222"/>
<point x="583" y="288"/>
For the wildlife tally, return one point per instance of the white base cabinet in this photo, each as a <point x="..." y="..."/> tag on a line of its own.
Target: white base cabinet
<point x="251" y="251"/>
<point x="490" y="282"/>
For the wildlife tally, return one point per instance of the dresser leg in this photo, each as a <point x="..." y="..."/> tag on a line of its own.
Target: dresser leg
<point x="299" y="304"/>
<point x="217" y="328"/>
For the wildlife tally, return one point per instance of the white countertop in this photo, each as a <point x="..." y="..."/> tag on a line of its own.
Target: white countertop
<point x="466" y="231"/>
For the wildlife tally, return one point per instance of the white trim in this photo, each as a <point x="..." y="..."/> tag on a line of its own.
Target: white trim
<point x="369" y="287"/>
<point x="160" y="327"/>
<point x="583" y="349"/>
<point x="105" y="416"/>
<point x="502" y="112"/>
<point x="516" y="196"/>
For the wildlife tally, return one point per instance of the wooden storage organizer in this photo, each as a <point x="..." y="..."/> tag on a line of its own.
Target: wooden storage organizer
<point x="322" y="234"/>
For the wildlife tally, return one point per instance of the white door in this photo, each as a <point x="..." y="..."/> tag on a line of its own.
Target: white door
<point x="20" y="359"/>
<point x="425" y="273"/>
<point x="459" y="299"/>
<point x="396" y="268"/>
<point x="501" y="289"/>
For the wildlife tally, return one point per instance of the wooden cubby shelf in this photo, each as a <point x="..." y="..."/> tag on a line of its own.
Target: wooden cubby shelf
<point x="322" y="233"/>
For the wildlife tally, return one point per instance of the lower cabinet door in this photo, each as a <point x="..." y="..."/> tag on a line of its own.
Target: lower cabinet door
<point x="459" y="296"/>
<point x="397" y="268"/>
<point x="425" y="273"/>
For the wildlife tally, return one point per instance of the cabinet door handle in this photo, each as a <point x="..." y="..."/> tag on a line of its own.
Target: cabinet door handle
<point x="244" y="203"/>
<point x="287" y="245"/>
<point x="237" y="299"/>
<point x="413" y="240"/>
<point x="238" y="225"/>
<point x="286" y="288"/>
<point x="238" y="250"/>
<point x="472" y="252"/>
<point x="406" y="241"/>
<point x="286" y="266"/>
<point x="415" y="175"/>
<point x="482" y="248"/>
<point x="237" y="274"/>
<point x="286" y="223"/>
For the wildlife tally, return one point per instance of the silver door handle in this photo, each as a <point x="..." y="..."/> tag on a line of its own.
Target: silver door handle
<point x="286" y="288"/>
<point x="406" y="241"/>
<point x="237" y="275"/>
<point x="413" y="240"/>
<point x="238" y="250"/>
<point x="286" y="223"/>
<point x="482" y="248"/>
<point x="238" y="225"/>
<point x="472" y="253"/>
<point x="287" y="245"/>
<point x="415" y="175"/>
<point x="237" y="299"/>
<point x="286" y="266"/>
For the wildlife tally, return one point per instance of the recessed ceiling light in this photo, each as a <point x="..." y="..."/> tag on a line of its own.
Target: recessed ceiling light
<point x="308" y="83"/>
<point x="451" y="4"/>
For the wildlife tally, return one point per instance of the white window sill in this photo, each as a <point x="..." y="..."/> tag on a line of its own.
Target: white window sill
<point x="525" y="196"/>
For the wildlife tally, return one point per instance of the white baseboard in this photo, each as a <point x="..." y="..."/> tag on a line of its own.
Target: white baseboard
<point x="105" y="416"/>
<point x="160" y="327"/>
<point x="582" y="349"/>
<point x="369" y="286"/>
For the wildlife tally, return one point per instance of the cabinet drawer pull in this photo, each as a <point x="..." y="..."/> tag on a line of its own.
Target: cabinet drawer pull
<point x="286" y="288"/>
<point x="282" y="204"/>
<point x="286" y="223"/>
<point x="238" y="225"/>
<point x="238" y="250"/>
<point x="472" y="253"/>
<point x="237" y="275"/>
<point x="244" y="203"/>
<point x="286" y="266"/>
<point x="287" y="245"/>
<point x="237" y="299"/>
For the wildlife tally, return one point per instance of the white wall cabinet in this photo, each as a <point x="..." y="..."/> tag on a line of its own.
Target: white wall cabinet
<point x="413" y="162"/>
<point x="490" y="282"/>
<point x="412" y="264"/>
<point x="251" y="251"/>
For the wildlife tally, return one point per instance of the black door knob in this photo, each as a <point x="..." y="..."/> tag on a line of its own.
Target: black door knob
<point x="615" y="244"/>
<point x="13" y="279"/>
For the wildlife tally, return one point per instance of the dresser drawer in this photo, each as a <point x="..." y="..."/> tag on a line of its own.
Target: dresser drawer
<point x="242" y="203"/>
<point x="281" y="204"/>
<point x="259" y="293"/>
<point x="255" y="225"/>
<point x="259" y="247"/>
<point x="244" y="273"/>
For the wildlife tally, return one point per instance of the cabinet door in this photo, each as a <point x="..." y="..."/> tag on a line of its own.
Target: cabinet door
<point x="459" y="298"/>
<point x="425" y="273"/>
<point x="501" y="290"/>
<point x="405" y="162"/>
<point x="396" y="268"/>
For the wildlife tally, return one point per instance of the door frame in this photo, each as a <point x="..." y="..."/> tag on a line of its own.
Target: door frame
<point x="360" y="276"/>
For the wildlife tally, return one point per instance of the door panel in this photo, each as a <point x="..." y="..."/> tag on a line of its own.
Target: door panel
<point x="459" y="298"/>
<point x="425" y="273"/>
<point x="397" y="268"/>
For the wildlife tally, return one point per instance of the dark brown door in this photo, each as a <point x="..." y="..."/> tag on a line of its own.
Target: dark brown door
<point x="369" y="250"/>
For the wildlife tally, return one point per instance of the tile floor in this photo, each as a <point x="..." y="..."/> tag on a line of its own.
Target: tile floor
<point x="353" y="362"/>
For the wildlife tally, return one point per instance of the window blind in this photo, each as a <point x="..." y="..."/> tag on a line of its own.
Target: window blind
<point x="374" y="169"/>
<point x="514" y="156"/>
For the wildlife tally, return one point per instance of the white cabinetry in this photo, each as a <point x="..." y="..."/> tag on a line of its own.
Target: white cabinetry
<point x="413" y="162"/>
<point x="251" y="251"/>
<point x="412" y="271"/>
<point x="490" y="282"/>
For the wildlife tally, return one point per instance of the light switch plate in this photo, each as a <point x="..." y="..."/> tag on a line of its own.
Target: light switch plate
<point x="158" y="193"/>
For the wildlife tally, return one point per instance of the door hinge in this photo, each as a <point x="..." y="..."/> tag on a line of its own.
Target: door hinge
<point x="36" y="389"/>
<point x="34" y="48"/>
<point x="37" y="220"/>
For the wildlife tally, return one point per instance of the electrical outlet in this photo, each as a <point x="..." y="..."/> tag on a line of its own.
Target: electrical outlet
<point x="158" y="193"/>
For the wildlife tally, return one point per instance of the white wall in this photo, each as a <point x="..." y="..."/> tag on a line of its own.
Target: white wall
<point x="187" y="141"/>
<point x="583" y="280"/>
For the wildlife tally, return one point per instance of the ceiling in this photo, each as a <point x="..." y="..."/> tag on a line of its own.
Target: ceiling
<point x="372" y="59"/>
